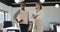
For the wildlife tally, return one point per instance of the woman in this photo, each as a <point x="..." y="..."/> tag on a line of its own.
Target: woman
<point x="22" y="17"/>
<point x="38" y="25"/>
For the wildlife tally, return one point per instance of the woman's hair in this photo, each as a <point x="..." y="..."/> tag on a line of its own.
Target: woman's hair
<point x="39" y="4"/>
<point x="23" y="3"/>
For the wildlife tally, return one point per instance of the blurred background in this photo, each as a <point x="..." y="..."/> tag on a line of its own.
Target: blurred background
<point x="51" y="10"/>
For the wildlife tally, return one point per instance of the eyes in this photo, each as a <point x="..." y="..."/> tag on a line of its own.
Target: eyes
<point x="38" y="5"/>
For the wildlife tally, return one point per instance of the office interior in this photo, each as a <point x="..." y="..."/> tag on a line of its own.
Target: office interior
<point x="50" y="14"/>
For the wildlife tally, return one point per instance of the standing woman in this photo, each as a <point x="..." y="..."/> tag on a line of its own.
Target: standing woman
<point x="38" y="24"/>
<point x="22" y="17"/>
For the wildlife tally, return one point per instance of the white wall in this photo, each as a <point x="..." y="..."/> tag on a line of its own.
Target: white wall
<point x="5" y="7"/>
<point x="51" y="14"/>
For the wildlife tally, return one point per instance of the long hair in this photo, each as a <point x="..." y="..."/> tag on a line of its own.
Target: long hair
<point x="39" y="4"/>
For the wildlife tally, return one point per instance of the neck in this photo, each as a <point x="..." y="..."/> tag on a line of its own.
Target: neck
<point x="38" y="10"/>
<point x="23" y="9"/>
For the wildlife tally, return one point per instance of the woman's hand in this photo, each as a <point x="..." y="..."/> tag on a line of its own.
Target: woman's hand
<point x="19" y="21"/>
<point x="34" y="16"/>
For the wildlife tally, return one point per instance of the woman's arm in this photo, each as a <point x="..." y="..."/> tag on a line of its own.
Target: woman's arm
<point x="16" y="14"/>
<point x="21" y="20"/>
<point x="35" y="16"/>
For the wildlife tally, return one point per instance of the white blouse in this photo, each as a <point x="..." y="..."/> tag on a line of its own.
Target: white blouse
<point x="40" y="17"/>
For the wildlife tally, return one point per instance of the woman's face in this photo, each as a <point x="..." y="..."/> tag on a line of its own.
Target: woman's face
<point x="37" y="6"/>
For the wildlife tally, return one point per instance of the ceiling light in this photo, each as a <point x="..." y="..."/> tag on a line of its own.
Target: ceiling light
<point x="57" y="5"/>
<point x="42" y="1"/>
<point x="17" y="1"/>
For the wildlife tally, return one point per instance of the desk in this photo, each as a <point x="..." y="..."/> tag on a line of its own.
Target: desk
<point x="12" y="29"/>
<point x="58" y="28"/>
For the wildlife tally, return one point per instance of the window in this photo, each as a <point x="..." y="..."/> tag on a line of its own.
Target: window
<point x="7" y="16"/>
<point x="1" y="16"/>
<point x="4" y="16"/>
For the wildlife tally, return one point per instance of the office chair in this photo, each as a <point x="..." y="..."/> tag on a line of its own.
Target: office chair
<point x="7" y="24"/>
<point x="30" y="26"/>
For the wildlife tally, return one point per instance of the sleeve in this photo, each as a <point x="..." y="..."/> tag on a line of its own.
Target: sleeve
<point x="16" y="14"/>
<point x="18" y="17"/>
<point x="41" y="14"/>
<point x="34" y="12"/>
